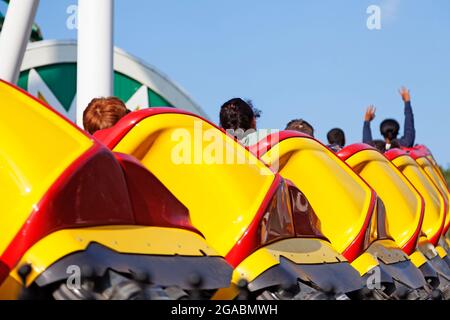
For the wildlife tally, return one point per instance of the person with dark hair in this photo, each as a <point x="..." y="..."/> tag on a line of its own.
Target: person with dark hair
<point x="300" y="125"/>
<point x="390" y="128"/>
<point x="378" y="144"/>
<point x="237" y="114"/>
<point x="238" y="117"/>
<point x="336" y="139"/>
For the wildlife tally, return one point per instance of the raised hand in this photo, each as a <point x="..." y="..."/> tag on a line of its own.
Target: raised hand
<point x="370" y="113"/>
<point x="404" y="92"/>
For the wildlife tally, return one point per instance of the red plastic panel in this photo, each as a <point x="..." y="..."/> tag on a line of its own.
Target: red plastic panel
<point x="411" y="244"/>
<point x="250" y="241"/>
<point x="417" y="152"/>
<point x="91" y="192"/>
<point x="112" y="136"/>
<point x="263" y="146"/>
<point x="395" y="153"/>
<point x="4" y="272"/>
<point x="306" y="222"/>
<point x="153" y="204"/>
<point x="305" y="226"/>
<point x="361" y="242"/>
<point x="350" y="150"/>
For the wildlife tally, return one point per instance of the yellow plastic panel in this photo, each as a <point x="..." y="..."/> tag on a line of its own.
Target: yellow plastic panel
<point x="339" y="197"/>
<point x="441" y="252"/>
<point x="221" y="183"/>
<point x="402" y="202"/>
<point x="417" y="258"/>
<point x="426" y="165"/>
<point x="437" y="168"/>
<point x="123" y="239"/>
<point x="434" y="201"/>
<point x="10" y="289"/>
<point x="299" y="250"/>
<point x="36" y="146"/>
<point x="387" y="251"/>
<point x="365" y="263"/>
<point x="433" y="174"/>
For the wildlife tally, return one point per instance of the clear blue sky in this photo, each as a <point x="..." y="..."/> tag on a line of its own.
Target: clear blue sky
<point x="311" y="59"/>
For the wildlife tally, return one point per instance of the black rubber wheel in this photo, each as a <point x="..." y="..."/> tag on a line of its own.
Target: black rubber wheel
<point x="301" y="292"/>
<point x="112" y="286"/>
<point x="403" y="292"/>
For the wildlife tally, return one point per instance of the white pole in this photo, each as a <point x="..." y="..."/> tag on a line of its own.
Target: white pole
<point x="95" y="52"/>
<point x="15" y="36"/>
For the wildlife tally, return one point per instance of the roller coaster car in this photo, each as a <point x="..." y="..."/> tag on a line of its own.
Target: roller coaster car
<point x="426" y="161"/>
<point x="260" y="222"/>
<point x="436" y="203"/>
<point x="79" y="222"/>
<point x="352" y="215"/>
<point x="405" y="208"/>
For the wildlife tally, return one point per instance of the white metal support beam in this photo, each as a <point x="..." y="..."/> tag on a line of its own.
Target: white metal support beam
<point x="15" y="36"/>
<point x="95" y="52"/>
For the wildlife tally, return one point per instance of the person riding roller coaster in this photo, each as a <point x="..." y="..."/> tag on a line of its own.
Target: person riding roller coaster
<point x="390" y="128"/>
<point x="300" y="125"/>
<point x="238" y="118"/>
<point x="336" y="139"/>
<point x="103" y="113"/>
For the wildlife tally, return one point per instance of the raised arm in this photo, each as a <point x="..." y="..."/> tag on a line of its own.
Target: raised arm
<point x="409" y="136"/>
<point x="368" y="117"/>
